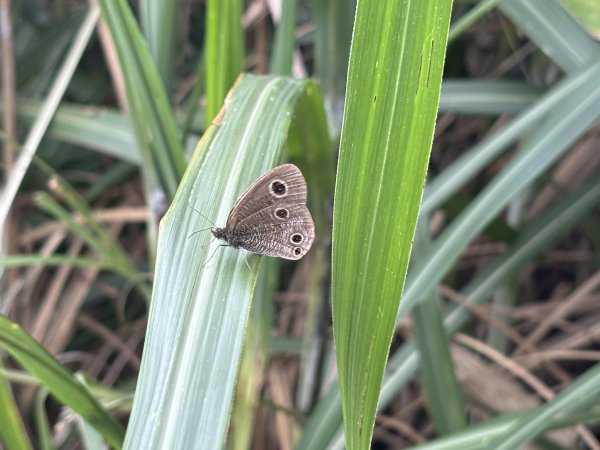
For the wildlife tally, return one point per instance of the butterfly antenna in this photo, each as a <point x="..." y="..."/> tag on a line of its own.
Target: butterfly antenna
<point x="213" y="224"/>
<point x="199" y="231"/>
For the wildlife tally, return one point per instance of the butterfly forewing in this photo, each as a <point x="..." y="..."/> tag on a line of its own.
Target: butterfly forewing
<point x="259" y="195"/>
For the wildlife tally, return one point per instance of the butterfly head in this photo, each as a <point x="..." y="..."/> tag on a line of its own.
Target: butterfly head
<point x="226" y="235"/>
<point x="220" y="233"/>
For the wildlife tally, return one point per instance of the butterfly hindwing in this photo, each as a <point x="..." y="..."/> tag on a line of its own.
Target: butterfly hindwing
<point x="289" y="237"/>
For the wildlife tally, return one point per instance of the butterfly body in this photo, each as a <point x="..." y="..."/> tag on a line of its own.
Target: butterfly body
<point x="271" y="217"/>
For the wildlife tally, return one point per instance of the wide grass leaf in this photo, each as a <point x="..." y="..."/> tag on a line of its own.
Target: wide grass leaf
<point x="394" y="80"/>
<point x="200" y="302"/>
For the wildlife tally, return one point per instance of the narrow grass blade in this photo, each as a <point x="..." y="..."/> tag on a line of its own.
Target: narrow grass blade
<point x="224" y="52"/>
<point x="333" y="32"/>
<point x="438" y="378"/>
<point x="471" y="162"/>
<point x="13" y="435"/>
<point x="281" y="63"/>
<point x="54" y="260"/>
<point x="487" y="97"/>
<point x="386" y="138"/>
<point x="46" y="113"/>
<point x="59" y="382"/>
<point x="403" y="365"/>
<point x="38" y="59"/>
<point x="550" y="141"/>
<point x="585" y="387"/>
<point x="104" y="130"/>
<point x="254" y="357"/>
<point x="555" y="31"/>
<point x="42" y="426"/>
<point x="160" y="22"/>
<point x="156" y="134"/>
<point x="468" y="19"/>
<point x="476" y="436"/>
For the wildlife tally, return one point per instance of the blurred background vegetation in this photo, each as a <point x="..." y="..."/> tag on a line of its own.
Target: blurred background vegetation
<point x="497" y="335"/>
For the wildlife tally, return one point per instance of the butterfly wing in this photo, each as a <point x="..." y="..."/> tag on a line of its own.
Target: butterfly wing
<point x="271" y="217"/>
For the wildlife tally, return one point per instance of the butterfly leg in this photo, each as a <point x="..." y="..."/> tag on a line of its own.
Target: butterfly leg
<point x="213" y="240"/>
<point x="211" y="256"/>
<point x="248" y="265"/>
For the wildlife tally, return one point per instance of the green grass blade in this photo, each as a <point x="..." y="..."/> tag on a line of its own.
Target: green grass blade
<point x="584" y="387"/>
<point x="487" y="97"/>
<point x="386" y="138"/>
<point x="555" y="31"/>
<point x="333" y="32"/>
<point x="438" y="378"/>
<point x="550" y="141"/>
<point x="46" y="113"/>
<point x="281" y="63"/>
<point x="53" y="260"/>
<point x="538" y="235"/>
<point x="101" y="129"/>
<point x="160" y="21"/>
<point x="468" y="19"/>
<point x="199" y="307"/>
<point x="37" y="60"/>
<point x="193" y="101"/>
<point x="59" y="382"/>
<point x="469" y="164"/>
<point x="13" y="435"/>
<point x="475" y="437"/>
<point x="42" y="426"/>
<point x="323" y="423"/>
<point x="404" y="364"/>
<point x="224" y="52"/>
<point x="156" y="134"/>
<point x="254" y="357"/>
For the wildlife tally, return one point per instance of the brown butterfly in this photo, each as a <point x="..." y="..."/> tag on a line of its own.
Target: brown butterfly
<point x="271" y="217"/>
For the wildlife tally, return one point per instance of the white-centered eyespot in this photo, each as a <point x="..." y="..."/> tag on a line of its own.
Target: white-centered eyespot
<point x="278" y="188"/>
<point x="281" y="213"/>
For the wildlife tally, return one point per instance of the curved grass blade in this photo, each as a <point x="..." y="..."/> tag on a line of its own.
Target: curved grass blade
<point x="13" y="435"/>
<point x="201" y="303"/>
<point x="555" y="31"/>
<point x="584" y="388"/>
<point x="59" y="382"/>
<point x="46" y="113"/>
<point x="160" y="21"/>
<point x="550" y="141"/>
<point x="470" y="163"/>
<point x="403" y="365"/>
<point x="155" y="131"/>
